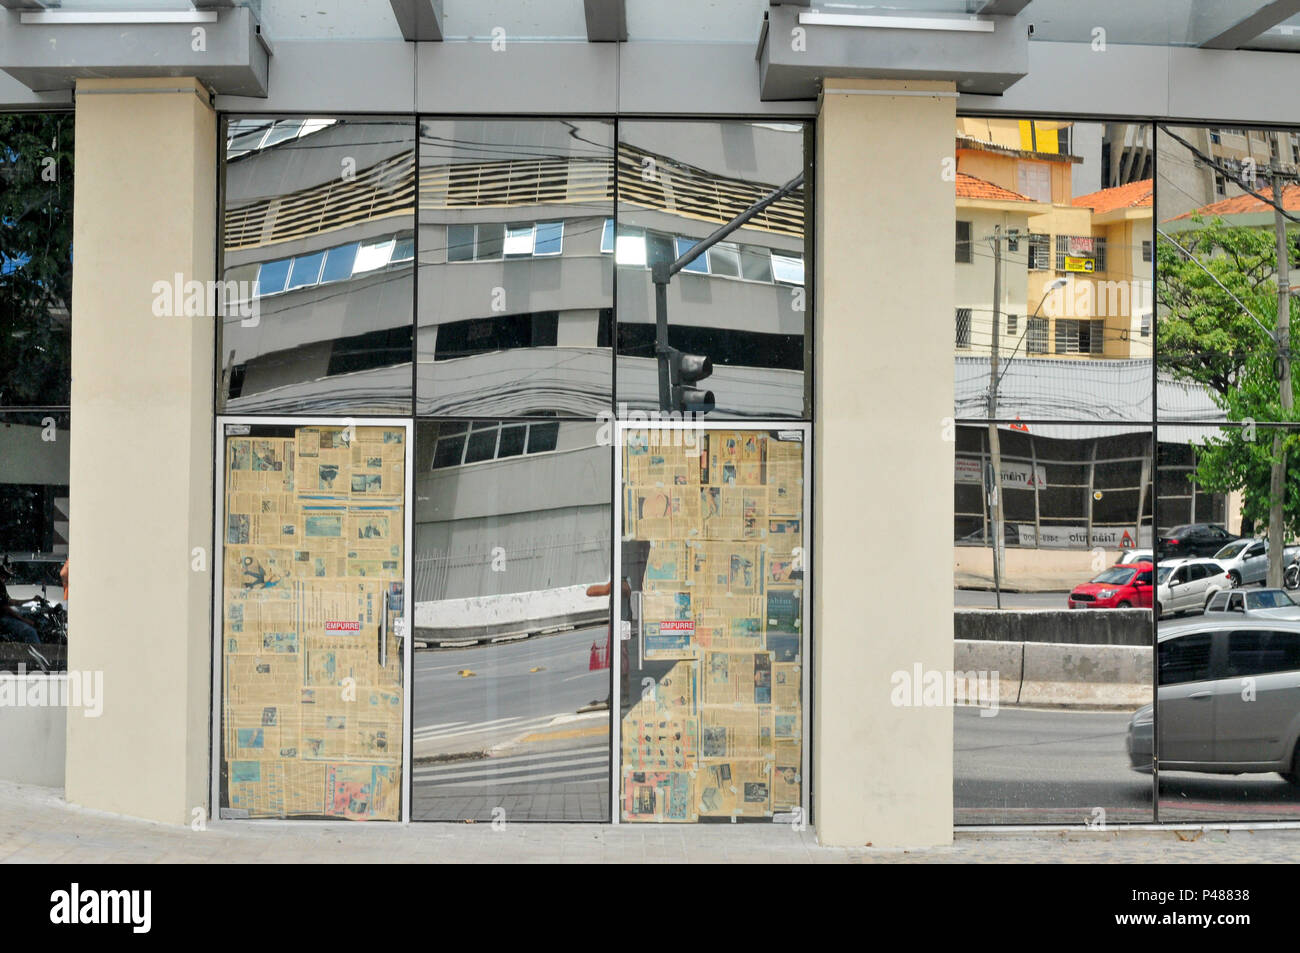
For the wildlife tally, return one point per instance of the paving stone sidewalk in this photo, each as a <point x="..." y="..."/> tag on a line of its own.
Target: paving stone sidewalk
<point x="38" y="826"/>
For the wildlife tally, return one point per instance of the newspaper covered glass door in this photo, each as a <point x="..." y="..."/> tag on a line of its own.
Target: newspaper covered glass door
<point x="713" y="567"/>
<point x="312" y="620"/>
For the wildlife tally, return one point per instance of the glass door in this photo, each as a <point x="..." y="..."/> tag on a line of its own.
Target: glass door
<point x="312" y="617"/>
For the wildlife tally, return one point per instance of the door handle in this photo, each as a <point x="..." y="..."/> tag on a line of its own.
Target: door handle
<point x="1199" y="695"/>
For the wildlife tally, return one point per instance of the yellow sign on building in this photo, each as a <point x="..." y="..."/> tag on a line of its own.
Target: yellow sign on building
<point x="1080" y="264"/>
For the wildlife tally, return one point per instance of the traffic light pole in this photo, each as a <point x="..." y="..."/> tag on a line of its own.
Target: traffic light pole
<point x="662" y="273"/>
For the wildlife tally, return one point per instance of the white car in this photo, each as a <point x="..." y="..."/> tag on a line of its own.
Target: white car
<point x="1188" y="585"/>
<point x="1254" y="604"/>
<point x="1135" y="556"/>
<point x="1246" y="560"/>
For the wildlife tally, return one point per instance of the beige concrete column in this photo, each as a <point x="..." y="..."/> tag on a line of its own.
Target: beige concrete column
<point x="141" y="457"/>
<point x="884" y="464"/>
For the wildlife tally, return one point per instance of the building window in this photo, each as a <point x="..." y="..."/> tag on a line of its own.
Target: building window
<point x="1220" y="184"/>
<point x="1146" y="324"/>
<point x="1036" y="336"/>
<point x="1075" y="336"/>
<point x="1013" y="240"/>
<point x="963" y="328"/>
<point x="963" y="242"/>
<point x="1146" y="251"/>
<point x="1040" y="252"/>
<point x="1012" y="323"/>
<point x="461" y="442"/>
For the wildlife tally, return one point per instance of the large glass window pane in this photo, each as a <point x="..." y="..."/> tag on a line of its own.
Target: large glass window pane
<point x="314" y="622"/>
<point x="321" y="211"/>
<point x="537" y="196"/>
<point x="1229" y="626"/>
<point x="1052" y="216"/>
<point x="33" y="541"/>
<point x="35" y="259"/>
<point x="685" y="180"/>
<point x="1216" y="266"/>
<point x="1054" y="583"/>
<point x="512" y="700"/>
<point x="714" y="576"/>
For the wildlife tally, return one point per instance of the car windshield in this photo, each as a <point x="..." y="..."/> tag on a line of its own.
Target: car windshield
<point x="1116" y="574"/>
<point x="1231" y="550"/>
<point x="1269" y="599"/>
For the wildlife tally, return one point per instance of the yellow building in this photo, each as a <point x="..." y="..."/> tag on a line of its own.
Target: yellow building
<point x="1099" y="243"/>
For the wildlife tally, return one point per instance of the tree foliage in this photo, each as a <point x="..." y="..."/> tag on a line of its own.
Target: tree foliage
<point x="35" y="258"/>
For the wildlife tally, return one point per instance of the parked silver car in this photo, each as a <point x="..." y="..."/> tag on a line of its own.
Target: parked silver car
<point x="1256" y="603"/>
<point x="1246" y="560"/>
<point x="1229" y="697"/>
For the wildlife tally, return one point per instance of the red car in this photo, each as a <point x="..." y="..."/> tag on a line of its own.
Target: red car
<point x="1120" y="587"/>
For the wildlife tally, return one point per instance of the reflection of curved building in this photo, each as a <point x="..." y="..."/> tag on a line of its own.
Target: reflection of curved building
<point x="320" y="215"/>
<point x="515" y="296"/>
<point x="509" y="506"/>
<point x="742" y="303"/>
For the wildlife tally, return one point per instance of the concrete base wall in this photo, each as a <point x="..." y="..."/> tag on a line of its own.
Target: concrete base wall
<point x="33" y="742"/>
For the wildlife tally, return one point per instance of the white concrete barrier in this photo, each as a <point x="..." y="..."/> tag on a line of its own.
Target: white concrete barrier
<point x="515" y="613"/>
<point x="1086" y="676"/>
<point x="1057" y="675"/>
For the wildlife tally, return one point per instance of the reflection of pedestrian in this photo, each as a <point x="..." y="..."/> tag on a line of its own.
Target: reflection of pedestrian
<point x="12" y="624"/>
<point x="63" y="575"/>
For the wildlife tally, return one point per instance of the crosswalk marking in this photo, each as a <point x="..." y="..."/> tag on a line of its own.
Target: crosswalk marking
<point x="589" y="762"/>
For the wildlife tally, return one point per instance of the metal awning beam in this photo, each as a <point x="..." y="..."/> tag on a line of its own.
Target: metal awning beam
<point x="606" y="20"/>
<point x="419" y="20"/>
<point x="1266" y="17"/>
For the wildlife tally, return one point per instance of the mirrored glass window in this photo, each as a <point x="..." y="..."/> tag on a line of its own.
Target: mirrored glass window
<point x="318" y="266"/>
<point x="741" y="303"/>
<point x="516" y="285"/>
<point x="512" y="609"/>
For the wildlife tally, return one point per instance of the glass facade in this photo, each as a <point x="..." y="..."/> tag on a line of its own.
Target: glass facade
<point x="490" y="317"/>
<point x="1145" y="466"/>
<point x="36" y="185"/>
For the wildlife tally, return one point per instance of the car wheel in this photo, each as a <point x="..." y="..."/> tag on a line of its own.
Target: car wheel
<point x="1123" y="605"/>
<point x="1294" y="774"/>
<point x="1236" y="578"/>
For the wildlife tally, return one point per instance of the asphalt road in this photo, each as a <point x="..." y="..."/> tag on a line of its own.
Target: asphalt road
<point x="1025" y="766"/>
<point x="516" y="688"/>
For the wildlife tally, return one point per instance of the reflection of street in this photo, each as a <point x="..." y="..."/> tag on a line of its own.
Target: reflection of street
<point x="530" y="752"/>
<point x="504" y="698"/>
<point x="1025" y="766"/>
<point x="1057" y="767"/>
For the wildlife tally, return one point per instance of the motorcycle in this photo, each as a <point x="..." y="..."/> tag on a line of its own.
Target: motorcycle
<point x="49" y="619"/>
<point x="1291" y="575"/>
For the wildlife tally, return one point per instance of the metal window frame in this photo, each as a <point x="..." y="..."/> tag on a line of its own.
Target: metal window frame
<point x="806" y="647"/>
<point x="407" y="425"/>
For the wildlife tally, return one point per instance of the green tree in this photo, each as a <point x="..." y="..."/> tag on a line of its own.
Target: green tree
<point x="35" y="258"/>
<point x="1207" y="337"/>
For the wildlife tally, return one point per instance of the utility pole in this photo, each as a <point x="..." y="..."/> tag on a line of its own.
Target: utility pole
<point x="1277" y="483"/>
<point x="995" y="447"/>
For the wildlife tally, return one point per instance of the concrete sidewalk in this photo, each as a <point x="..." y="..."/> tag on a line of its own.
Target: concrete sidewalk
<point x="37" y="826"/>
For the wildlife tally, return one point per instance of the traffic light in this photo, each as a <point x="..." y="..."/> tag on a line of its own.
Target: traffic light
<point x="688" y="370"/>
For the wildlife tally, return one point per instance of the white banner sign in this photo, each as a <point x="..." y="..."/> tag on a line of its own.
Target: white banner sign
<point x="1076" y="537"/>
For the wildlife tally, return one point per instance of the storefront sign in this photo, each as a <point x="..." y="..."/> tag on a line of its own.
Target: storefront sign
<point x="1015" y="476"/>
<point x="1077" y="537"/>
